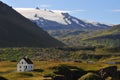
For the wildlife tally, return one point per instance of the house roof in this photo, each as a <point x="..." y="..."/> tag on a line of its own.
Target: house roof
<point x="28" y="60"/>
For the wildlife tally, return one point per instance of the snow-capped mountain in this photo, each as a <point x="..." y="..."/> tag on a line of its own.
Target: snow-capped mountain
<point x="55" y="20"/>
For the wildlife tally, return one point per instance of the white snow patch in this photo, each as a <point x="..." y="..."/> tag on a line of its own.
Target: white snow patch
<point x="44" y="13"/>
<point x="68" y="21"/>
<point x="76" y="21"/>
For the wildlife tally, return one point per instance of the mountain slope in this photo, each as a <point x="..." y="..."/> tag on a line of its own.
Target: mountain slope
<point x="51" y="20"/>
<point x="111" y="31"/>
<point x="107" y="37"/>
<point x="17" y="31"/>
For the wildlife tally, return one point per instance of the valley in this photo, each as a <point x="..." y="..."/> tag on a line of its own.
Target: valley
<point x="61" y="46"/>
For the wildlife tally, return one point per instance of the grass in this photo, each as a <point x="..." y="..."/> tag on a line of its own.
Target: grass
<point x="8" y="69"/>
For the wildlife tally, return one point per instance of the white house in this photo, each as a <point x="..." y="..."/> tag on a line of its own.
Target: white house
<point x="25" y="64"/>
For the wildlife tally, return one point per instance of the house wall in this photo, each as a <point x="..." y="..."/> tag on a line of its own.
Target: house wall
<point x="23" y="66"/>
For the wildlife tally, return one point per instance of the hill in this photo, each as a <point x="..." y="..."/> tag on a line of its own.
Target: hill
<point x="107" y="37"/>
<point x="17" y="31"/>
<point x="114" y="30"/>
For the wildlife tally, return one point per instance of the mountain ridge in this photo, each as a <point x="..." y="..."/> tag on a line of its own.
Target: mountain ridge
<point x="51" y="20"/>
<point x="18" y="31"/>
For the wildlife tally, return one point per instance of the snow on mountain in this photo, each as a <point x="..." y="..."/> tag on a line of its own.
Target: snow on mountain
<point x="57" y="19"/>
<point x="34" y="14"/>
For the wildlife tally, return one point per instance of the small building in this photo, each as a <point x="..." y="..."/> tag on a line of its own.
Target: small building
<point x="110" y="62"/>
<point x="25" y="64"/>
<point x="90" y="62"/>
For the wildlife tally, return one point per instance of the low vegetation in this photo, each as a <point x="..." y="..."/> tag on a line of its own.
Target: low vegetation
<point x="106" y="37"/>
<point x="51" y="70"/>
<point x="60" y="54"/>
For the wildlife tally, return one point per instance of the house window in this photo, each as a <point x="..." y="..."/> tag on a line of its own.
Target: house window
<point x="20" y="67"/>
<point x="25" y="66"/>
<point x="21" y="62"/>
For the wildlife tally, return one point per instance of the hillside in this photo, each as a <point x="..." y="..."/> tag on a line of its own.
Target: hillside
<point x="106" y="37"/>
<point x="17" y="31"/>
<point x="111" y="31"/>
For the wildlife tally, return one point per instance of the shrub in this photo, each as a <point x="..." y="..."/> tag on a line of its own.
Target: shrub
<point x="2" y="78"/>
<point x="13" y="60"/>
<point x="49" y="75"/>
<point x="38" y="70"/>
<point x="24" y="74"/>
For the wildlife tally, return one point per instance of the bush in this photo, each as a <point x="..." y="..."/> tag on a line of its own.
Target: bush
<point x="2" y="78"/>
<point x="24" y="74"/>
<point x="49" y="75"/>
<point x="13" y="61"/>
<point x="38" y="70"/>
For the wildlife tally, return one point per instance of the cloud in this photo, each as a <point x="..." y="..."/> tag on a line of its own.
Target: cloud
<point x="116" y="10"/>
<point x="45" y="6"/>
<point x="69" y="11"/>
<point x="61" y="11"/>
<point x="77" y="11"/>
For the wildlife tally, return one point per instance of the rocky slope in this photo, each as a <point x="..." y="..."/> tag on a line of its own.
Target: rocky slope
<point x="17" y="31"/>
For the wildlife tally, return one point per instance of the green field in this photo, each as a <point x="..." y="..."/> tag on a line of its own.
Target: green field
<point x="42" y="68"/>
<point x="46" y="59"/>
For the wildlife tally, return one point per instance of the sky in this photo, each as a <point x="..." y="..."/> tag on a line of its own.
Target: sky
<point x="104" y="11"/>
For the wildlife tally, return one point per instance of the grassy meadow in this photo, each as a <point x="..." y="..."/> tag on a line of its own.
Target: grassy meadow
<point x="42" y="68"/>
<point x="46" y="59"/>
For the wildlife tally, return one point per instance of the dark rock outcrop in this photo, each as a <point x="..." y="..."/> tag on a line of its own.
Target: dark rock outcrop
<point x="2" y="78"/>
<point x="64" y="72"/>
<point x="90" y="76"/>
<point x="109" y="72"/>
<point x="67" y="72"/>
